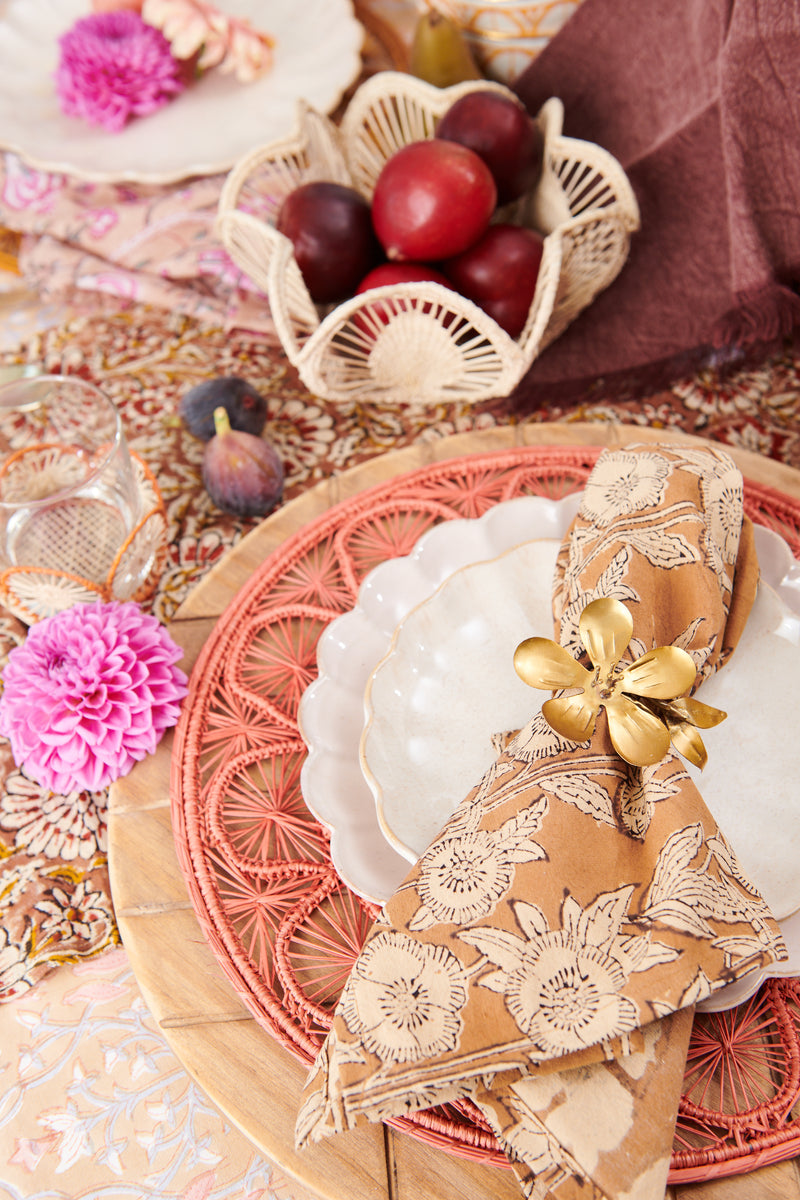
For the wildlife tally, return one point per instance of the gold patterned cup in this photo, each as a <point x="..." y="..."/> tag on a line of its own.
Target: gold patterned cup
<point x="75" y="508"/>
<point x="505" y="36"/>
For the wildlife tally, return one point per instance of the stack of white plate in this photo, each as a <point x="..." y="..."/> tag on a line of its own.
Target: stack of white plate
<point x="414" y="681"/>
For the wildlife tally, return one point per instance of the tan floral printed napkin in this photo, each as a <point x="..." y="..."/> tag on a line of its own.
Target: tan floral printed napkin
<point x="545" y="954"/>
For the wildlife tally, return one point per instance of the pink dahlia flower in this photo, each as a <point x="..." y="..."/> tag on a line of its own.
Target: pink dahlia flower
<point x="114" y="66"/>
<point x="89" y="693"/>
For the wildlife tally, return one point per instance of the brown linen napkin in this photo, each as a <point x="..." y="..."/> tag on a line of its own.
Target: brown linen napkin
<point x="545" y="954"/>
<point x="671" y="90"/>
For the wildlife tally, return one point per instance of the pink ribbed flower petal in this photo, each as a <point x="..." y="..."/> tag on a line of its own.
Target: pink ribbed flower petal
<point x="89" y="693"/>
<point x="114" y="66"/>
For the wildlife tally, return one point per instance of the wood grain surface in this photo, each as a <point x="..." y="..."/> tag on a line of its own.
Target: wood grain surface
<point x="252" y="1078"/>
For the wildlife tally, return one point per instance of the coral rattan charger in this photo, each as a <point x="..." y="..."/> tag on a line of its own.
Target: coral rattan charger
<point x="283" y="925"/>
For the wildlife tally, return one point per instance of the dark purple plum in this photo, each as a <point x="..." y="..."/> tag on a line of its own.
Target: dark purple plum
<point x="499" y="130"/>
<point x="330" y="228"/>
<point x="499" y="273"/>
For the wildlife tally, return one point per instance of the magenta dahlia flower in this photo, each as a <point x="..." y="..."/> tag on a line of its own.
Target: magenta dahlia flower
<point x="89" y="693"/>
<point x="114" y="66"/>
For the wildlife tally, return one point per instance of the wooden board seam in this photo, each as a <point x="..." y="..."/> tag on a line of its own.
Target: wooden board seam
<point x="154" y="909"/>
<point x="202" y="1019"/>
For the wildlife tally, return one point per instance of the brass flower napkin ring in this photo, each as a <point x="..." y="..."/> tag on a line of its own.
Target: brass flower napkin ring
<point x="643" y="700"/>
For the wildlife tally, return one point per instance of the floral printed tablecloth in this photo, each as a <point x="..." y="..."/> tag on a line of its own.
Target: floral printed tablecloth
<point x="92" y="1101"/>
<point x="95" y="1106"/>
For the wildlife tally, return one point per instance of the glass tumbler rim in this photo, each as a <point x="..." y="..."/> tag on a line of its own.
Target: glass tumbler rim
<point x="28" y="385"/>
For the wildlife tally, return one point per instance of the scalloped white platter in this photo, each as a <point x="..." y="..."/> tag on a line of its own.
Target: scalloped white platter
<point x="203" y="131"/>
<point x="446" y="685"/>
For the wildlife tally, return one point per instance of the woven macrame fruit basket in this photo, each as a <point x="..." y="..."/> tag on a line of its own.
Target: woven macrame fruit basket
<point x="429" y="344"/>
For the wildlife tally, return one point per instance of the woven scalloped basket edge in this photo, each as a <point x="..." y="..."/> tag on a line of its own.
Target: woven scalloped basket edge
<point x="423" y="346"/>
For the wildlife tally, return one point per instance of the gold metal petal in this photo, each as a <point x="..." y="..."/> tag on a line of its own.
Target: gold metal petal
<point x="605" y="627"/>
<point x="660" y="674"/>
<point x="636" y="734"/>
<point x="542" y="663"/>
<point x="572" y="716"/>
<point x="704" y="716"/>
<point x="687" y="741"/>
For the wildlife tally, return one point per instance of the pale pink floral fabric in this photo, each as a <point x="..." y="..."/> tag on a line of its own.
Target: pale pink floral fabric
<point x="134" y="242"/>
<point x="93" y="1103"/>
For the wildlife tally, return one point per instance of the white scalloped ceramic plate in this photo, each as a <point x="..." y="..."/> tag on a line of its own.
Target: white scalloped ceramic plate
<point x="446" y="685"/>
<point x="748" y="985"/>
<point x="331" y="712"/>
<point x="207" y="128"/>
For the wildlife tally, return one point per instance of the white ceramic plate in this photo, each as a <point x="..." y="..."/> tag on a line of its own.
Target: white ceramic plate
<point x="331" y="712"/>
<point x="202" y="132"/>
<point x="446" y="685"/>
<point x="748" y="985"/>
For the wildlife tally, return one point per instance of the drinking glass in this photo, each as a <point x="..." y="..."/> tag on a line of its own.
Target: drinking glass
<point x="69" y="498"/>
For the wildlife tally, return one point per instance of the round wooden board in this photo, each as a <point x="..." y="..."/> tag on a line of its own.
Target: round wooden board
<point x="252" y="1078"/>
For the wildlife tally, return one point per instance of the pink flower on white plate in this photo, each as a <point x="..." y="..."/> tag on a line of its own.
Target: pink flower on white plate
<point x="248" y="53"/>
<point x="114" y="66"/>
<point x="193" y="27"/>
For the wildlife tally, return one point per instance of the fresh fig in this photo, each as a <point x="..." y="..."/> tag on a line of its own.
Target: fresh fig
<point x="499" y="273"/>
<point x="501" y="132"/>
<point x="432" y="199"/>
<point x="246" y="408"/>
<point x="242" y="473"/>
<point x="330" y="227"/>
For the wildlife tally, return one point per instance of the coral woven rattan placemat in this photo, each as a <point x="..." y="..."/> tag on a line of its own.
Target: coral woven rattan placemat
<point x="285" y="928"/>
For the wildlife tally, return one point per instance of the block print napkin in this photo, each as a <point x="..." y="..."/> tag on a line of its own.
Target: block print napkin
<point x="545" y="954"/>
